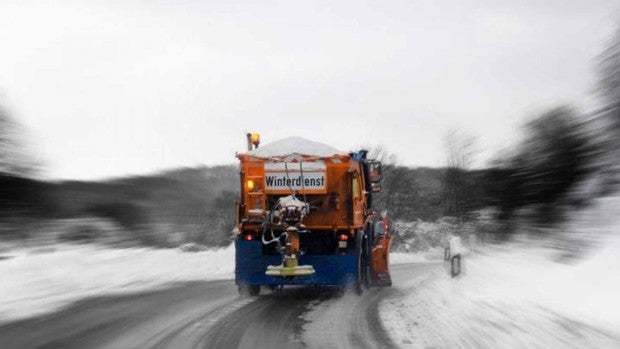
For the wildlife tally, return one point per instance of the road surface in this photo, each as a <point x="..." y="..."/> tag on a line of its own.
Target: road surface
<point x="211" y="315"/>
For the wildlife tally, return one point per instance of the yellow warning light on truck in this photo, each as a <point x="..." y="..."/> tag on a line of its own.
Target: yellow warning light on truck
<point x="255" y="139"/>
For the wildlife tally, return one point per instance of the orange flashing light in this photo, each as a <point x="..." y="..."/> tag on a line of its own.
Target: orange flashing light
<point x="255" y="139"/>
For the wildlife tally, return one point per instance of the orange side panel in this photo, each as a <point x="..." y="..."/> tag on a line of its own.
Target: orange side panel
<point x="381" y="261"/>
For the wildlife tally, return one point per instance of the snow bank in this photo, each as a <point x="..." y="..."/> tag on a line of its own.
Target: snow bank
<point x="511" y="297"/>
<point x="37" y="282"/>
<point x="521" y="294"/>
<point x="294" y="145"/>
<point x="420" y="236"/>
<point x="405" y="258"/>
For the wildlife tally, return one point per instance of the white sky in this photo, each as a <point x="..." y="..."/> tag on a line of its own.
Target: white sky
<point x="109" y="88"/>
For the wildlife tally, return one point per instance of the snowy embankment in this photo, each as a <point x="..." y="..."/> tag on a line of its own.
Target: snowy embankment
<point x="404" y="258"/>
<point x="36" y="282"/>
<point x="516" y="295"/>
<point x="510" y="297"/>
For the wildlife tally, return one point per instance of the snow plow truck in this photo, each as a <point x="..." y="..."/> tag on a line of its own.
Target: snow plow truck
<point x="305" y="218"/>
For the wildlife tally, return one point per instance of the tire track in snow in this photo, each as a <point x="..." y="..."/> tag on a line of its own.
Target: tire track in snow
<point x="270" y="321"/>
<point x="192" y="333"/>
<point x="353" y="321"/>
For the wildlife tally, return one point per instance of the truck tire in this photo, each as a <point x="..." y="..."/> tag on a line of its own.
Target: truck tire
<point x="248" y="290"/>
<point x="367" y="262"/>
<point x="367" y="278"/>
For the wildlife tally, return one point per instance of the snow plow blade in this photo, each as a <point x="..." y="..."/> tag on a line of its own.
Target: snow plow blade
<point x="282" y="271"/>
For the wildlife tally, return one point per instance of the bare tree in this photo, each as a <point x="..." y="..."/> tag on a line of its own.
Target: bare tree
<point x="381" y="153"/>
<point x="397" y="195"/>
<point x="609" y="74"/>
<point x="14" y="157"/>
<point x="460" y="156"/>
<point x="609" y="90"/>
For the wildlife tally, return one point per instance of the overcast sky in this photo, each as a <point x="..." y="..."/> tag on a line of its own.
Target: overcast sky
<point x="109" y="88"/>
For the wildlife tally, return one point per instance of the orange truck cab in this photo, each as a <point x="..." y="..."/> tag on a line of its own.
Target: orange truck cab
<point x="305" y="218"/>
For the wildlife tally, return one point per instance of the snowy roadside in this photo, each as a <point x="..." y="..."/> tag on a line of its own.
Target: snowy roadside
<point x="511" y="297"/>
<point x="36" y="282"/>
<point x="406" y="258"/>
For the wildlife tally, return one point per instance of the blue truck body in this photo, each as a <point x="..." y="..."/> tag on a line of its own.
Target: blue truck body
<point x="331" y="270"/>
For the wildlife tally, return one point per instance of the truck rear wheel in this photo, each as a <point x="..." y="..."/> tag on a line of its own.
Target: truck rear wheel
<point x="248" y="290"/>
<point x="367" y="261"/>
<point x="367" y="276"/>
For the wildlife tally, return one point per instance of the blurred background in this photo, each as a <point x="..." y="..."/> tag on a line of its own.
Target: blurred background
<point x="534" y="140"/>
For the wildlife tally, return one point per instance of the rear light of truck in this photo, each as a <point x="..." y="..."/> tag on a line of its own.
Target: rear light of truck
<point x="342" y="241"/>
<point x="248" y="237"/>
<point x="254" y="184"/>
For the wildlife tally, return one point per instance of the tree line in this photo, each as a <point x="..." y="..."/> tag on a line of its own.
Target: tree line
<point x="544" y="176"/>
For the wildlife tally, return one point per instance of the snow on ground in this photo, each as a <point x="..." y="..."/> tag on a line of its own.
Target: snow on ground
<point x="40" y="281"/>
<point x="518" y="295"/>
<point x="404" y="258"/>
<point x="510" y="297"/>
